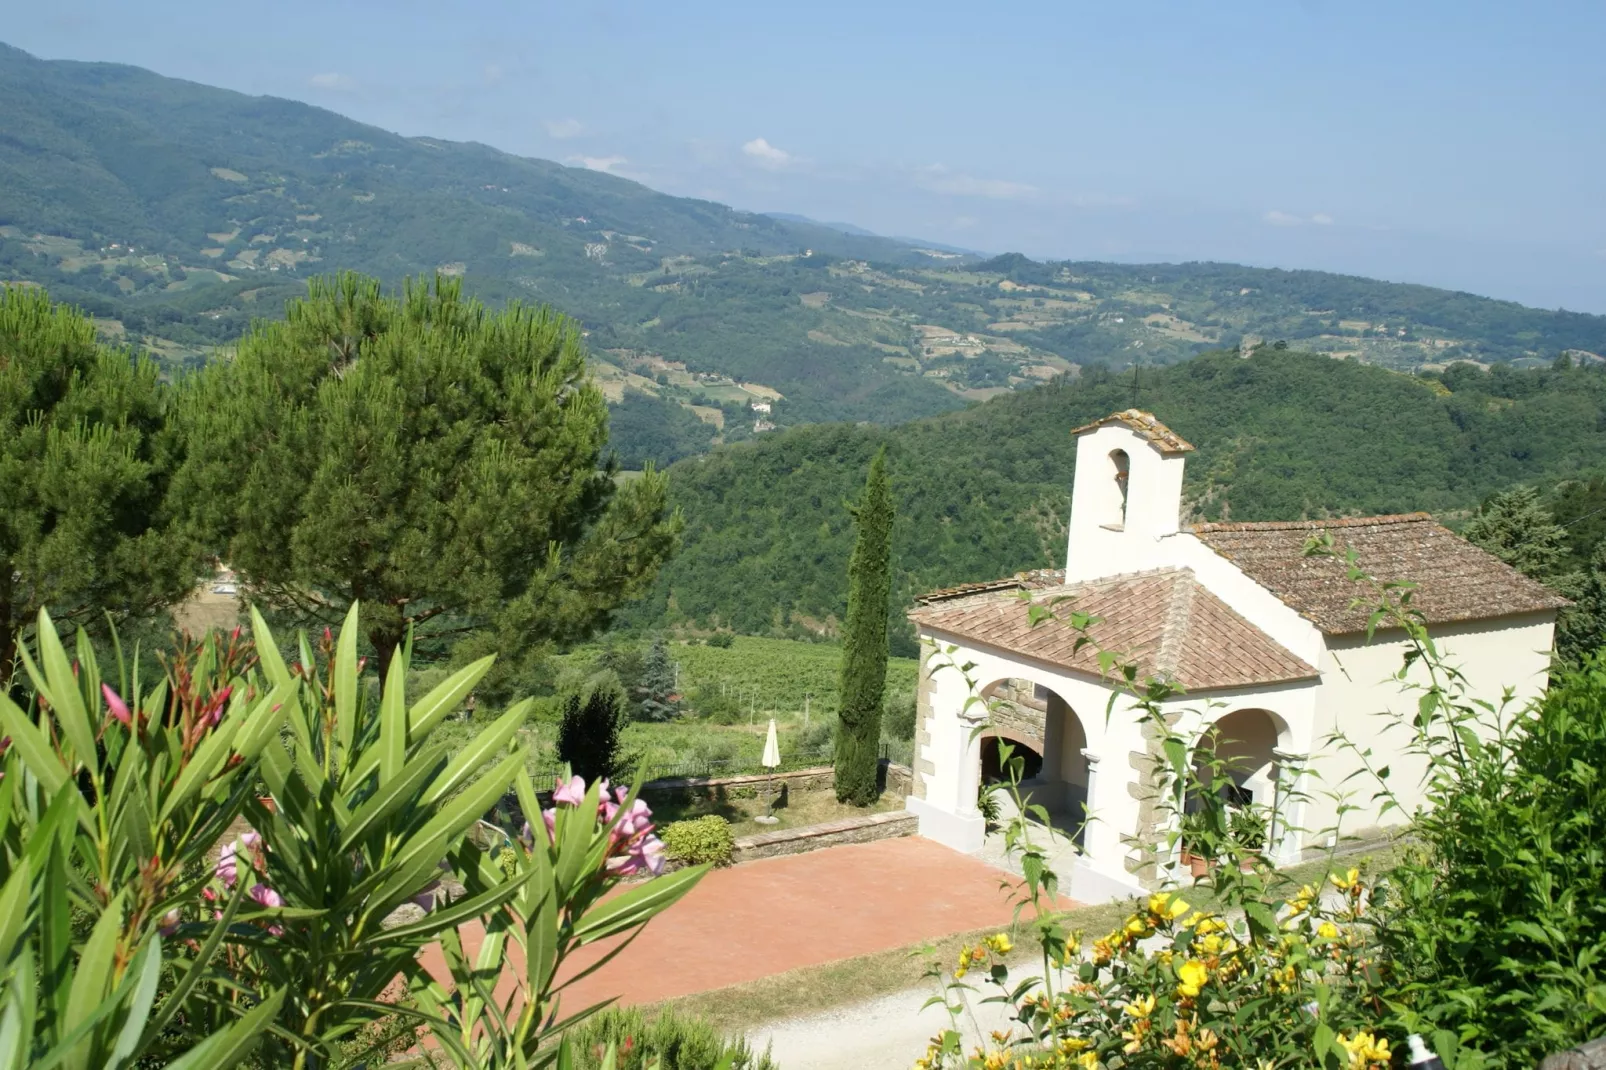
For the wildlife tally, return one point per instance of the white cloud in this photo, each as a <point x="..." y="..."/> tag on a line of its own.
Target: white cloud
<point x="939" y="179"/>
<point x="563" y="128"/>
<point x="1279" y="218"/>
<point x="332" y="82"/>
<point x="766" y="155"/>
<point x="606" y="164"/>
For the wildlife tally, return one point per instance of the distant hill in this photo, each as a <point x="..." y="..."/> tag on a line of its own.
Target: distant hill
<point x="177" y="212"/>
<point x="986" y="492"/>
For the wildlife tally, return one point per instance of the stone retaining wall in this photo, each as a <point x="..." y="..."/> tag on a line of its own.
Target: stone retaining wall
<point x="893" y="778"/>
<point x="883" y="826"/>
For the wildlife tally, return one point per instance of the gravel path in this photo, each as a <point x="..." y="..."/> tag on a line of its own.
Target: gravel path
<point x="889" y="1033"/>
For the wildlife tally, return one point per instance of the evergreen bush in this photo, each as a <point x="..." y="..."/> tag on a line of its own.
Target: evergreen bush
<point x="588" y="734"/>
<point x="699" y="840"/>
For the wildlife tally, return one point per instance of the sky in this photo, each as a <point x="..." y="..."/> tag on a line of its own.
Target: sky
<point x="1459" y="144"/>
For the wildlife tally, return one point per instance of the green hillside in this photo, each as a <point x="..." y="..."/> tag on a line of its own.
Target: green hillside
<point x="986" y="492"/>
<point x="176" y="212"/>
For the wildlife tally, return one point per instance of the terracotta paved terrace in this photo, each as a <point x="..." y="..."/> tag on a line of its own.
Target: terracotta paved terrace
<point x="777" y="914"/>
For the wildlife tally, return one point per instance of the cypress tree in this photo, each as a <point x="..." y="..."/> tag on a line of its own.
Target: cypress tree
<point x="864" y="641"/>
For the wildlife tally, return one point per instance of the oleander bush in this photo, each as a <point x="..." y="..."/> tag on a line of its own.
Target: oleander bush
<point x="700" y="840"/>
<point x="123" y="942"/>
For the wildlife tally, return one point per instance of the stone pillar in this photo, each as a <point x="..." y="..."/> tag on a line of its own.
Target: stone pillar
<point x="948" y="812"/>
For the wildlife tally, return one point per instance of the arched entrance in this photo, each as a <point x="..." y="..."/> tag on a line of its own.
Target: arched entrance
<point x="1236" y="761"/>
<point x="1048" y="736"/>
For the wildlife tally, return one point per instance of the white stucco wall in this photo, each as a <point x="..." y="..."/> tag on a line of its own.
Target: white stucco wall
<point x="1359" y="699"/>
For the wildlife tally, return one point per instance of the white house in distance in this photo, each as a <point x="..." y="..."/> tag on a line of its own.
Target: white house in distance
<point x="1263" y="639"/>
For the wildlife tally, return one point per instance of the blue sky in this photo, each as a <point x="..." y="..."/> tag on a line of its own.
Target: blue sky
<point x="1461" y="144"/>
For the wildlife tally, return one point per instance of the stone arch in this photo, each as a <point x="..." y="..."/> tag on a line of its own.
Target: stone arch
<point x="1049" y="734"/>
<point x="1121" y="465"/>
<point x="1237" y="759"/>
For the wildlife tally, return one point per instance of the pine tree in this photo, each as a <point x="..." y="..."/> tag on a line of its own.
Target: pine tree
<point x="864" y="641"/>
<point x="85" y="453"/>
<point x="1581" y="629"/>
<point x="658" y="698"/>
<point x="442" y="462"/>
<point x="1517" y="529"/>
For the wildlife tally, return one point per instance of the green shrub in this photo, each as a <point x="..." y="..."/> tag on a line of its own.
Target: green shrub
<point x="703" y="839"/>
<point x="898" y="716"/>
<point x="722" y="640"/>
<point x="677" y="1042"/>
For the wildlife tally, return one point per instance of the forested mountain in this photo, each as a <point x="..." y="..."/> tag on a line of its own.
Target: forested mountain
<point x="176" y="212"/>
<point x="986" y="492"/>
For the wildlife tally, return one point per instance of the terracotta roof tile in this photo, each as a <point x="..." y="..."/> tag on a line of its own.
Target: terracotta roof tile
<point x="1165" y="621"/>
<point x="1455" y="580"/>
<point x="1144" y="424"/>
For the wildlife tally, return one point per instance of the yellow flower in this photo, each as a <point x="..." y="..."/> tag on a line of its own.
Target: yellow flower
<point x="1001" y="943"/>
<point x="1347" y="881"/>
<point x="1141" y="1007"/>
<point x="1167" y="906"/>
<point x="1088" y="1060"/>
<point x="1191" y="977"/>
<point x="1137" y="926"/>
<point x="1365" y="1049"/>
<point x="1072" y="1045"/>
<point x="1327" y="931"/>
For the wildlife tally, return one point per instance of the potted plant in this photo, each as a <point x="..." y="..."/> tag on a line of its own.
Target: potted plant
<point x="1248" y="830"/>
<point x="1194" y="834"/>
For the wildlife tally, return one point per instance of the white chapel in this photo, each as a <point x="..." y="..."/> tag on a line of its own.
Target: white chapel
<point x="1264" y="641"/>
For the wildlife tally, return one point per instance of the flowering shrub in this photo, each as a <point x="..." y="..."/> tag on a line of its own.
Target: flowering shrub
<point x="113" y="791"/>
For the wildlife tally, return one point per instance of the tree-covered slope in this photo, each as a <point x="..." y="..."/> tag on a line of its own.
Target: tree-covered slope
<point x="986" y="492"/>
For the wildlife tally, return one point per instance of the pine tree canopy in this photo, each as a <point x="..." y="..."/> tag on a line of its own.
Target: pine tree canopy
<point x="440" y="462"/>
<point x="85" y="459"/>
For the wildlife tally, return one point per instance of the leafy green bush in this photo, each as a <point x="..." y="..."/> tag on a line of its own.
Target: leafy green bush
<point x="898" y="716"/>
<point x="722" y="640"/>
<point x="678" y="1042"/>
<point x="702" y="839"/>
<point x="1497" y="927"/>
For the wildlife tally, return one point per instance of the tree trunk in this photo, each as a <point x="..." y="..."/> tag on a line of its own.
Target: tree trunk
<point x="385" y="641"/>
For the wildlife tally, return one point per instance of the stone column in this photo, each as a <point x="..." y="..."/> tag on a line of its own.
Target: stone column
<point x="948" y="813"/>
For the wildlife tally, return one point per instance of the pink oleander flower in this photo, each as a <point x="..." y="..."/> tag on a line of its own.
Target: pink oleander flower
<point x="228" y="867"/>
<point x="116" y="706"/>
<point x="267" y="897"/>
<point x="571" y="794"/>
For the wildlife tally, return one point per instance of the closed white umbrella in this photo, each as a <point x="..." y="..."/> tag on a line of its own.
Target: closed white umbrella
<point x="772" y="749"/>
<point x="770" y="761"/>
